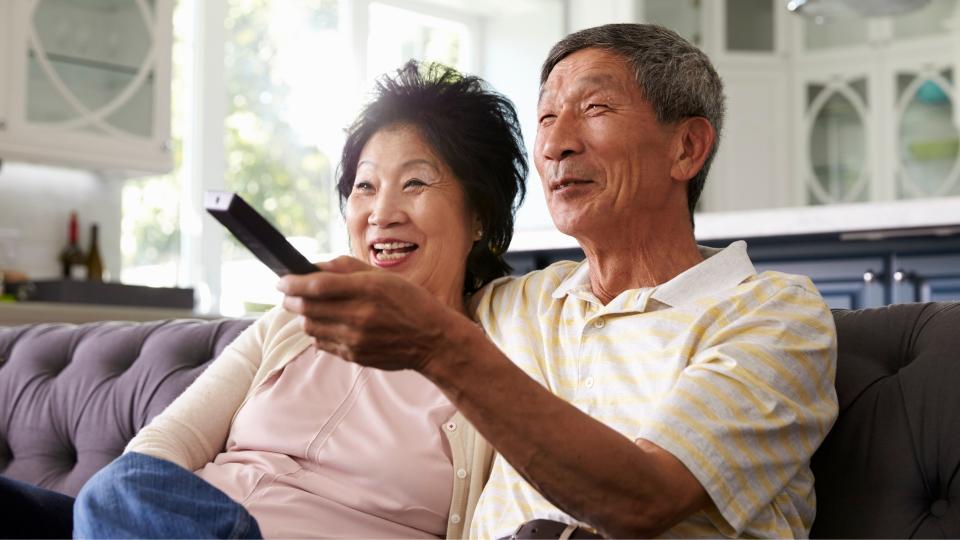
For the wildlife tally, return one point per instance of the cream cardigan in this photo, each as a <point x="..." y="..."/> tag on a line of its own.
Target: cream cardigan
<point x="194" y="428"/>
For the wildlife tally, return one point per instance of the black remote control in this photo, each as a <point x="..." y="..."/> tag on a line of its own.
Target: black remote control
<point x="255" y="232"/>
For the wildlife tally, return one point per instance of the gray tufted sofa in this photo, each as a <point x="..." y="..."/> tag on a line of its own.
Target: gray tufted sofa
<point x="72" y="396"/>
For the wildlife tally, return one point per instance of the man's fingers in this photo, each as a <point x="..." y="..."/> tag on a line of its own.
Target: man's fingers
<point x="345" y="265"/>
<point x="334" y="338"/>
<point x="323" y="285"/>
<point x="333" y="348"/>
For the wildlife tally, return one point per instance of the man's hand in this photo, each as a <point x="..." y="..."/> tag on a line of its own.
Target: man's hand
<point x="368" y="316"/>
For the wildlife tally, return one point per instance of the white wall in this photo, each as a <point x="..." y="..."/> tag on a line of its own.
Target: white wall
<point x="35" y="203"/>
<point x="517" y="41"/>
<point x="590" y="13"/>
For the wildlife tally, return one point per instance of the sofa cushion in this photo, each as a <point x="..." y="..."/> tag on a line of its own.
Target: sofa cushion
<point x="890" y="467"/>
<point x="71" y="397"/>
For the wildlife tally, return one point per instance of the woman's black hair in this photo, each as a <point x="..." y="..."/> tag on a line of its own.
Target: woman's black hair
<point x="473" y="129"/>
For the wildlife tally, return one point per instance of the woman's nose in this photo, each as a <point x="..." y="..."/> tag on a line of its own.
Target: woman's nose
<point x="387" y="210"/>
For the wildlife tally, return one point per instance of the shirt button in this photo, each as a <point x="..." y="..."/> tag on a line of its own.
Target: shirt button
<point x="461" y="473"/>
<point x="450" y="426"/>
<point x="599" y="323"/>
<point x="455" y="518"/>
<point x="588" y="382"/>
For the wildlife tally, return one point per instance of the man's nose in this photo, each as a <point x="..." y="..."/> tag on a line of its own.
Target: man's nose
<point x="561" y="139"/>
<point x="387" y="210"/>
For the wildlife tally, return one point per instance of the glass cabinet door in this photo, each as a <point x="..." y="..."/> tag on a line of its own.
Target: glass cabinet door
<point x="750" y="26"/>
<point x="90" y="66"/>
<point x="837" y="142"/>
<point x="681" y="16"/>
<point x="927" y="138"/>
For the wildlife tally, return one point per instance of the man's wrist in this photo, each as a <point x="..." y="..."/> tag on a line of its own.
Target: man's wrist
<point x="446" y="359"/>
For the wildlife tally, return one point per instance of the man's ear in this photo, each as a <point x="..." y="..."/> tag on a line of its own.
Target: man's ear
<point x="692" y="141"/>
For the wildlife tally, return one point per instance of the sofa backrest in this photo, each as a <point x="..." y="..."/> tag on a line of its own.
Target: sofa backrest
<point x="71" y="397"/>
<point x="890" y="467"/>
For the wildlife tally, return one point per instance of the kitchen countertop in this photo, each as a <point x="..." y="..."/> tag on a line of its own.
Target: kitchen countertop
<point x="861" y="220"/>
<point x="17" y="313"/>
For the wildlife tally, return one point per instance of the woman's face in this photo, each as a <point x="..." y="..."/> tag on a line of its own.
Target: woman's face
<point x="408" y="214"/>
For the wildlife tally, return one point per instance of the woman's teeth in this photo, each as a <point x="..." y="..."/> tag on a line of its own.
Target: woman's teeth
<point x="391" y="251"/>
<point x="392" y="245"/>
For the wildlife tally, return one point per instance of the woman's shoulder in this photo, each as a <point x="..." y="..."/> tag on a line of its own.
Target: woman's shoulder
<point x="276" y="326"/>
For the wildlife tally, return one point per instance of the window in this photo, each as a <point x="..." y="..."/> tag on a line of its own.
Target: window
<point x="150" y="222"/>
<point x="398" y="34"/>
<point x="296" y="73"/>
<point x="282" y="127"/>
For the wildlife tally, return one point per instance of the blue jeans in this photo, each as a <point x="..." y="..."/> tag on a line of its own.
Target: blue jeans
<point x="138" y="496"/>
<point x="33" y="512"/>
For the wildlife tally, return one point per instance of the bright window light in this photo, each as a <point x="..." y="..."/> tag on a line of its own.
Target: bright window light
<point x="398" y="34"/>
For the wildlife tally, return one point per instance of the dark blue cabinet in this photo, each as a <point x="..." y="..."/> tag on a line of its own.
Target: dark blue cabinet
<point x="844" y="283"/>
<point x="869" y="271"/>
<point x="927" y="278"/>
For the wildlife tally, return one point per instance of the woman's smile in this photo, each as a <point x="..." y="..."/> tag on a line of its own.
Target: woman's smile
<point x="389" y="252"/>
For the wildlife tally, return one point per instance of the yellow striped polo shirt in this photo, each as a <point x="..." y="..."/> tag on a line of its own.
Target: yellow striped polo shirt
<point x="730" y="371"/>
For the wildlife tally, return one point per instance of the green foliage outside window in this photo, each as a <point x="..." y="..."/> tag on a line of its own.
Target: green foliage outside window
<point x="289" y="181"/>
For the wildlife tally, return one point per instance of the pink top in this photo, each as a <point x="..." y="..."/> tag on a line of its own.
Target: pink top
<point x="326" y="448"/>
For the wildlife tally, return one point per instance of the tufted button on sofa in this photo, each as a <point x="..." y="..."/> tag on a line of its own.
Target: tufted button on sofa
<point x="72" y="396"/>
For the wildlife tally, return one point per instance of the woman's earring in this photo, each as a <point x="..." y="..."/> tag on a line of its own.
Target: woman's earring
<point x="478" y="235"/>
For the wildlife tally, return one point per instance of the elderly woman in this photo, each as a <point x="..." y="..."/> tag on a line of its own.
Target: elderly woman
<point x="279" y="439"/>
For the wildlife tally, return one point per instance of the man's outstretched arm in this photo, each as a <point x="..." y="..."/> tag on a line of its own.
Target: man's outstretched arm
<point x="585" y="468"/>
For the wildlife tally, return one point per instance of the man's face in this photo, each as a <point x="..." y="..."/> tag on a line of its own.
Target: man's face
<point x="602" y="156"/>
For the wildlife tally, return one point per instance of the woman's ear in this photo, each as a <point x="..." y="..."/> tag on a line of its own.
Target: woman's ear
<point x="477" y="228"/>
<point x="693" y="140"/>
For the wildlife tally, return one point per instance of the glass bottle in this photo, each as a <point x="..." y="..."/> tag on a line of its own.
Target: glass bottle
<point x="94" y="261"/>
<point x="71" y="255"/>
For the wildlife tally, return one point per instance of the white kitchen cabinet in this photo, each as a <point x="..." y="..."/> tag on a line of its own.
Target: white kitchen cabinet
<point x="874" y="112"/>
<point x="746" y="43"/>
<point x="86" y="83"/>
<point x="828" y="111"/>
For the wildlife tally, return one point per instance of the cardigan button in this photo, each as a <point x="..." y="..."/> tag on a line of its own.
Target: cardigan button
<point x="939" y="508"/>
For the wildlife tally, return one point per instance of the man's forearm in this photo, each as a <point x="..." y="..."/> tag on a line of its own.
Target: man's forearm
<point x="585" y="468"/>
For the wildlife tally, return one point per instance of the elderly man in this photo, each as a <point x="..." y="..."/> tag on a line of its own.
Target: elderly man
<point x="656" y="388"/>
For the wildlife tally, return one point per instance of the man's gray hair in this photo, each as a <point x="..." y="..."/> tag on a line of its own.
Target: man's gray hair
<point x="675" y="77"/>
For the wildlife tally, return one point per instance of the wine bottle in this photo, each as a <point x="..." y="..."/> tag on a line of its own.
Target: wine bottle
<point x="70" y="255"/>
<point x="94" y="261"/>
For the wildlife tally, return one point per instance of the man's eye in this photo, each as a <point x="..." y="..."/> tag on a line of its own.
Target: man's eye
<point x="596" y="107"/>
<point x="547" y="119"/>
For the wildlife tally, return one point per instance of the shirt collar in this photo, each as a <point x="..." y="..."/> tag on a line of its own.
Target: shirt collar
<point x="721" y="269"/>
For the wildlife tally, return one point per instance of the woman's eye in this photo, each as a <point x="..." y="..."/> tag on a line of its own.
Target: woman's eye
<point x="414" y="183"/>
<point x="362" y="186"/>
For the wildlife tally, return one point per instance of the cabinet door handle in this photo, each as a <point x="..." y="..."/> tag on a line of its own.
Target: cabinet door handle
<point x="869" y="276"/>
